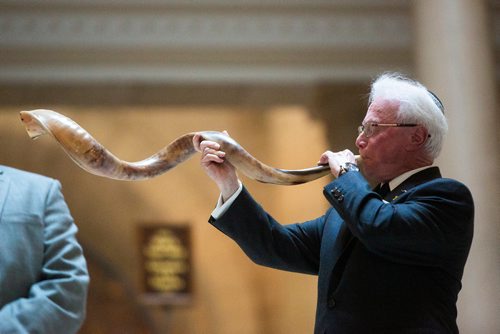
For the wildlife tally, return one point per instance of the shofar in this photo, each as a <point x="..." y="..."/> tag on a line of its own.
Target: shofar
<point x="90" y="155"/>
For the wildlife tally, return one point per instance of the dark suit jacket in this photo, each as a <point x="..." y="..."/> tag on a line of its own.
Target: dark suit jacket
<point x="382" y="267"/>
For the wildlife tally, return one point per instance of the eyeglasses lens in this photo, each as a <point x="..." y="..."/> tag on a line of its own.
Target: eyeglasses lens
<point x="366" y="129"/>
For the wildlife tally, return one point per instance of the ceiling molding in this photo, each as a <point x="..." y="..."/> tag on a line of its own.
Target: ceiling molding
<point x="202" y="41"/>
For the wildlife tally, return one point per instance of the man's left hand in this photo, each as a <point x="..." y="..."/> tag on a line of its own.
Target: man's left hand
<point x="336" y="159"/>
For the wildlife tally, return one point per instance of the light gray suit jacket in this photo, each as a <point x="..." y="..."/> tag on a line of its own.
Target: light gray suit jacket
<point x="43" y="274"/>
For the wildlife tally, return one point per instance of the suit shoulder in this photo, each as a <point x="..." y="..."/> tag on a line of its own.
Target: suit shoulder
<point x="448" y="185"/>
<point x="446" y="191"/>
<point x="23" y="176"/>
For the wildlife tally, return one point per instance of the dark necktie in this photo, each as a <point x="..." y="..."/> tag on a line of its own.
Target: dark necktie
<point x="383" y="189"/>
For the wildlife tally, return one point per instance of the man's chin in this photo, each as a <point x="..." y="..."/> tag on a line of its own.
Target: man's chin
<point x="368" y="170"/>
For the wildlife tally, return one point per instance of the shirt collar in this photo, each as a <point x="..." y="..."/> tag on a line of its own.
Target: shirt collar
<point x="399" y="179"/>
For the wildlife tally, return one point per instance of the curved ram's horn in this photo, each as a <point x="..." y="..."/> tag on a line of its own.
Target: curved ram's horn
<point x="90" y="155"/>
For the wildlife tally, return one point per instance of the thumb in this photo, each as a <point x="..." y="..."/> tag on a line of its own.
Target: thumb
<point x="196" y="142"/>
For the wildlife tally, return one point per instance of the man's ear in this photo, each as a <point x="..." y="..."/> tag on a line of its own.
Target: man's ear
<point x="418" y="138"/>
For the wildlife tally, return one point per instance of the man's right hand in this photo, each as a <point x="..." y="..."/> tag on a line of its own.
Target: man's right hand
<point x="213" y="162"/>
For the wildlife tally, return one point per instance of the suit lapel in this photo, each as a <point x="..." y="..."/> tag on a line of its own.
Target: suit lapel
<point x="418" y="178"/>
<point x="334" y="242"/>
<point x="337" y="236"/>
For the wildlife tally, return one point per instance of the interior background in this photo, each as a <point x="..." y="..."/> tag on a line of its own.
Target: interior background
<point x="288" y="80"/>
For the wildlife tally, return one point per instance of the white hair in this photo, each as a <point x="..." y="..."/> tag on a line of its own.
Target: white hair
<point x="416" y="105"/>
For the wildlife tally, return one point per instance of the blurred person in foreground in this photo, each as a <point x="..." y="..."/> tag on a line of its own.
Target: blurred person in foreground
<point x="389" y="259"/>
<point x="43" y="273"/>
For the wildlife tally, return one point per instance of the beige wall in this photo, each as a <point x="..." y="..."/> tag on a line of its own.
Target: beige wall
<point x="232" y="295"/>
<point x="458" y="63"/>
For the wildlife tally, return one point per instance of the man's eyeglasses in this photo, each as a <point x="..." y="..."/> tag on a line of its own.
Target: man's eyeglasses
<point x="368" y="129"/>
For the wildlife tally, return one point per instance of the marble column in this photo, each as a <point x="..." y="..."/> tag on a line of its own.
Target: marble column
<point x="454" y="58"/>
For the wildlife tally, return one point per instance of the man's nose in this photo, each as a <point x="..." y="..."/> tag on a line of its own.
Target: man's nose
<point x="361" y="141"/>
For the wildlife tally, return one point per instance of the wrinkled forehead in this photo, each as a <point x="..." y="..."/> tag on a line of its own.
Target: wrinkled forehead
<point x="382" y="109"/>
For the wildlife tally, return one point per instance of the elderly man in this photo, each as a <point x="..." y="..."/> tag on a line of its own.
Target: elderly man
<point x="388" y="259"/>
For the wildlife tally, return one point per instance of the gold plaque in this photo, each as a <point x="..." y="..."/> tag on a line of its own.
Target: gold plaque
<point x="166" y="263"/>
